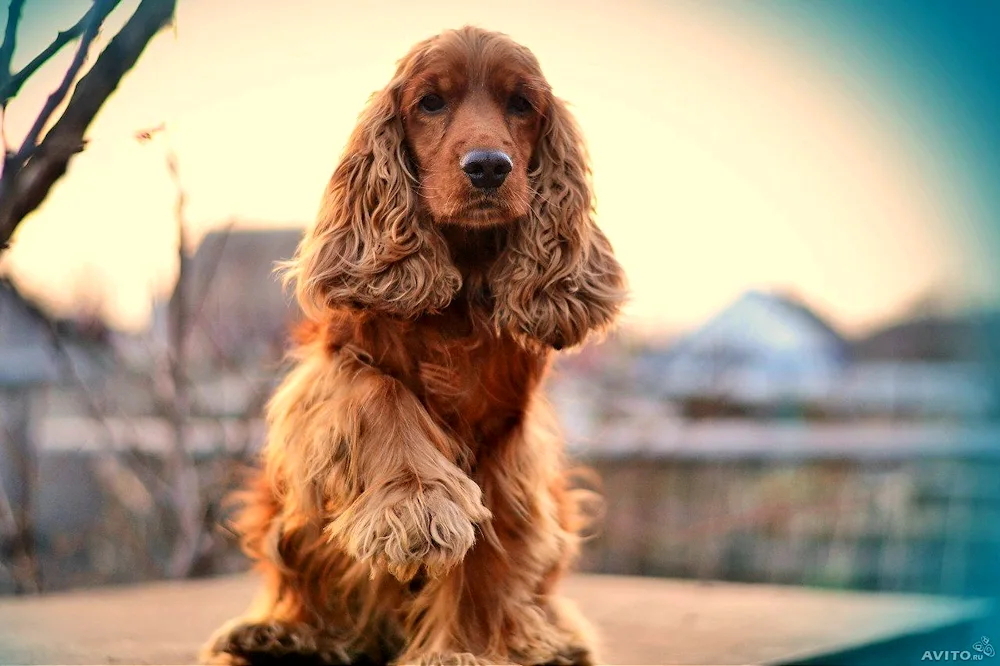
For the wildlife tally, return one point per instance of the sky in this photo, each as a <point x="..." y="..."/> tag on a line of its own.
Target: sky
<point x="842" y="152"/>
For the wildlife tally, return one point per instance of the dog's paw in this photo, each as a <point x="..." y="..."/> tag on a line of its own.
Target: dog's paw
<point x="267" y="643"/>
<point x="412" y="525"/>
<point x="571" y="655"/>
<point x="552" y="633"/>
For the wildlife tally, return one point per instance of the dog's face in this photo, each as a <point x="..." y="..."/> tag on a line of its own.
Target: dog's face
<point x="467" y="134"/>
<point x="472" y="109"/>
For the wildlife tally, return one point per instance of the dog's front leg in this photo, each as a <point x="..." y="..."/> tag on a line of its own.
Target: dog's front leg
<point x="415" y="505"/>
<point x="386" y="475"/>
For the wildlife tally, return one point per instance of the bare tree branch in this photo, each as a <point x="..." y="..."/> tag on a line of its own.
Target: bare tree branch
<point x="9" y="39"/>
<point x="3" y="134"/>
<point x="24" y="458"/>
<point x="13" y="82"/>
<point x="98" y="12"/>
<point x="188" y="505"/>
<point x="25" y="185"/>
<point x="8" y="521"/>
<point x="183" y="471"/>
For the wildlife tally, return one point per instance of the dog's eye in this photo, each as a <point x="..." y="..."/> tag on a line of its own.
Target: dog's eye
<point x="518" y="104"/>
<point x="431" y="103"/>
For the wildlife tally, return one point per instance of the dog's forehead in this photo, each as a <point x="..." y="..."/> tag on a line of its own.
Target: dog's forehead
<point x="474" y="57"/>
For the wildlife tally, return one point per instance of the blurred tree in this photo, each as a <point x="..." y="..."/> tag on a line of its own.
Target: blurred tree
<point x="182" y="471"/>
<point x="30" y="171"/>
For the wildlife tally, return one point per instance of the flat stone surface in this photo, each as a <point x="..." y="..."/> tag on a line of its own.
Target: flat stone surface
<point x="642" y="621"/>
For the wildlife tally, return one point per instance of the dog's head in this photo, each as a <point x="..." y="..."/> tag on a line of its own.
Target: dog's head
<point x="466" y="135"/>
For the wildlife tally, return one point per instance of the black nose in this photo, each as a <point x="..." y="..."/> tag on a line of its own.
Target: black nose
<point x="487" y="169"/>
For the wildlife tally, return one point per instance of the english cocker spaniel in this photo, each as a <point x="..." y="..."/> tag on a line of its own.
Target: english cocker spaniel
<point x="414" y="505"/>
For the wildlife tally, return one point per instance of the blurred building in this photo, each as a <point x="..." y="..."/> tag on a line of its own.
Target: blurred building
<point x="28" y="354"/>
<point x="961" y="338"/>
<point x="38" y="356"/>
<point x="931" y="363"/>
<point x="763" y="350"/>
<point x="236" y="308"/>
<point x="769" y="355"/>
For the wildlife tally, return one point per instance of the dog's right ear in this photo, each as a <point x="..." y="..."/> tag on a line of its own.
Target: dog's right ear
<point x="369" y="248"/>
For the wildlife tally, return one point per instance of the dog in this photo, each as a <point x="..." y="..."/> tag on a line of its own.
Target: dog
<point x="414" y="505"/>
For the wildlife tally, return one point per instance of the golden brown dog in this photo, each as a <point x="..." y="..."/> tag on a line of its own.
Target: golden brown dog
<point x="413" y="506"/>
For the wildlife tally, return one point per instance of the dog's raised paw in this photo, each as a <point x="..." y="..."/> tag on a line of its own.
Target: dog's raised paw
<point x="402" y="529"/>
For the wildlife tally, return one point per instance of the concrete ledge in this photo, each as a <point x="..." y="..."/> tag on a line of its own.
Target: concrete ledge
<point x="642" y="620"/>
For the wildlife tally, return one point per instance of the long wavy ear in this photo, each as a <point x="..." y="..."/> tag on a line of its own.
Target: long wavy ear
<point x="369" y="248"/>
<point x="558" y="279"/>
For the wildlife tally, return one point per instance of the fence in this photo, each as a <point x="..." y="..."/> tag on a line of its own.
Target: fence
<point x="898" y="515"/>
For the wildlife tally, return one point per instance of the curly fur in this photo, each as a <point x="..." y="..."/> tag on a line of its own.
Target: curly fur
<point x="558" y="279"/>
<point x="368" y="248"/>
<point x="413" y="505"/>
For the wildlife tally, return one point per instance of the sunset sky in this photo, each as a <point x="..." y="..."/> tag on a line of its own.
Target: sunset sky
<point x="844" y="152"/>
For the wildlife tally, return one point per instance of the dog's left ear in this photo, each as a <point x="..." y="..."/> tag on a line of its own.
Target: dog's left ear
<point x="369" y="248"/>
<point x="558" y="279"/>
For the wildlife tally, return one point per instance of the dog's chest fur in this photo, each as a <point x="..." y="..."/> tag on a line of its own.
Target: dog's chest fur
<point x="472" y="381"/>
<point x="478" y="384"/>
